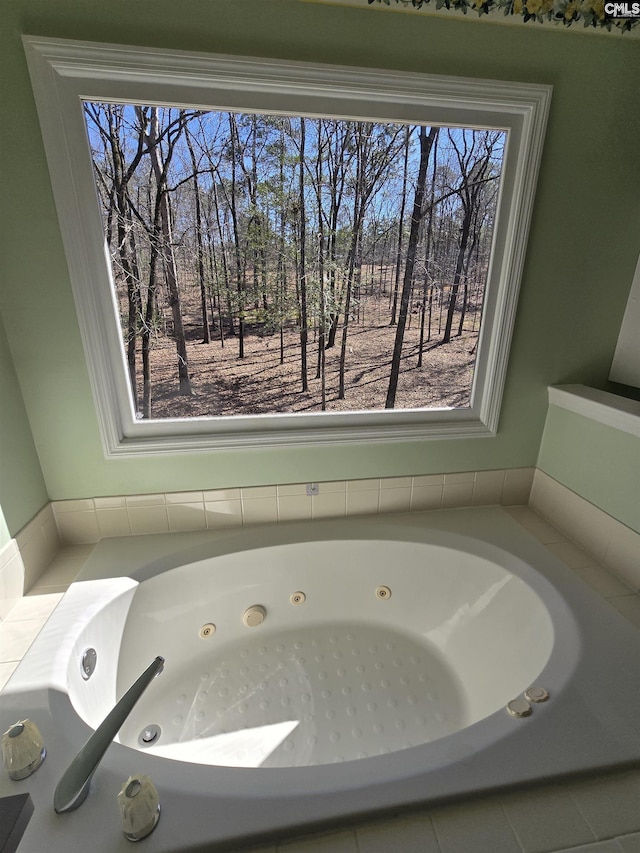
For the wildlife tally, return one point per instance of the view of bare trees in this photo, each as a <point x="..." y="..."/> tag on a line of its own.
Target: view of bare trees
<point x="266" y="264"/>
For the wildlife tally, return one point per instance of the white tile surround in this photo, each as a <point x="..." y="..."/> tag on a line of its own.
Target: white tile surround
<point x="599" y="815"/>
<point x="24" y="558"/>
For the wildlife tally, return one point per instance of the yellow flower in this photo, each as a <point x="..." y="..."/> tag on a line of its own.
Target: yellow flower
<point x="597" y="7"/>
<point x="534" y="6"/>
<point x="518" y="7"/>
<point x="570" y="10"/>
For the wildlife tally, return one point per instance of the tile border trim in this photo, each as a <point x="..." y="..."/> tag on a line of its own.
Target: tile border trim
<point x="609" y="409"/>
<point x="85" y="521"/>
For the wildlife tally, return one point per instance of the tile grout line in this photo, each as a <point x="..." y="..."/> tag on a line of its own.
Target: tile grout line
<point x="560" y="492"/>
<point x="511" y="826"/>
<point x="435" y="833"/>
<point x="584" y="816"/>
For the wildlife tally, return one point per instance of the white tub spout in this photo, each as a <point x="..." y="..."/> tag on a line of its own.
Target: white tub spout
<point x="73" y="788"/>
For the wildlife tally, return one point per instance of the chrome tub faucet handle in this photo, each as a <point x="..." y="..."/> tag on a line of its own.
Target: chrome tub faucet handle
<point x="73" y="788"/>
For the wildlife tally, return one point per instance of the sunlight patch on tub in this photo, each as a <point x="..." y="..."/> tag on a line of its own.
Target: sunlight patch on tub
<point x="243" y="748"/>
<point x="53" y="662"/>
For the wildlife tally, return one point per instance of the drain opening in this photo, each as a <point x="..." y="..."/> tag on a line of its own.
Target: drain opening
<point x="149" y="735"/>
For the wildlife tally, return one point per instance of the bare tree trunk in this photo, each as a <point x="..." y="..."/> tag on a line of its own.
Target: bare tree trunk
<point x="459" y="270"/>
<point x="206" y="332"/>
<point x="396" y="283"/>
<point x="281" y="267"/>
<point x="119" y="204"/>
<point x="128" y="260"/>
<point x="213" y="267"/>
<point x="474" y="243"/>
<point x="427" y="256"/>
<point x="236" y="237"/>
<point x="347" y="304"/>
<point x="302" y="266"/>
<point x="453" y="296"/>
<point x="473" y="169"/>
<point x="321" y="368"/>
<point x="418" y="205"/>
<point x="337" y="180"/>
<point x="372" y="162"/>
<point x="225" y="266"/>
<point x="146" y="330"/>
<point x="159" y="170"/>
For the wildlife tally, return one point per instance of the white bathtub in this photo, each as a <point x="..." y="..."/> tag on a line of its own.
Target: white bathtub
<point x="347" y="703"/>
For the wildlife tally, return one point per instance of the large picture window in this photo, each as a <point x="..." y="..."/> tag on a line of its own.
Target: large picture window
<point x="270" y="253"/>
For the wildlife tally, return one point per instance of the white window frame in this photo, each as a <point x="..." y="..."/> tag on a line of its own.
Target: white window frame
<point x="65" y="73"/>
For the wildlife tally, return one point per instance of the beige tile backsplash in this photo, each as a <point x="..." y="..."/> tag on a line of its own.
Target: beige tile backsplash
<point x="81" y="521"/>
<point x="612" y="543"/>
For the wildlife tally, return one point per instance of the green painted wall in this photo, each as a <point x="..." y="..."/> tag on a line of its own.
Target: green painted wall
<point x="598" y="462"/>
<point x="22" y="488"/>
<point x="578" y="271"/>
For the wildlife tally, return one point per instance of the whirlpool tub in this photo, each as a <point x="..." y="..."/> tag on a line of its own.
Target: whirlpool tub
<point x="320" y="671"/>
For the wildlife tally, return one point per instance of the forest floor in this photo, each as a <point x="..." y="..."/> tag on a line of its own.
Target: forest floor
<point x="224" y="384"/>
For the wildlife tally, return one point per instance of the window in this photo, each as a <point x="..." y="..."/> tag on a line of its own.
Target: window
<point x="334" y="233"/>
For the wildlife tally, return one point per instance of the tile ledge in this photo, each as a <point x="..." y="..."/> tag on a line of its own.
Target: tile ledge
<point x="600" y="406"/>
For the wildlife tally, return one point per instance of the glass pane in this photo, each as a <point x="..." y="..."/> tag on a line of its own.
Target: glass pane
<point x="266" y="264"/>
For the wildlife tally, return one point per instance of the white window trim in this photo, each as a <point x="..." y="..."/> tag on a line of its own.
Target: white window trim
<point x="64" y="73"/>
